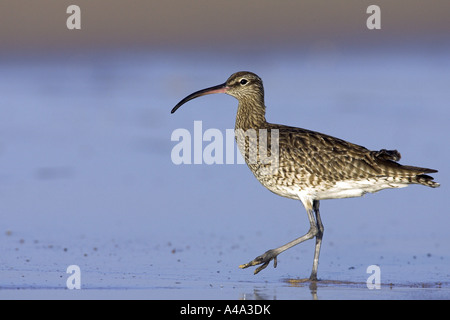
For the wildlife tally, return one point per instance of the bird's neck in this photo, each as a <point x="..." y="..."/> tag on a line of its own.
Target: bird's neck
<point x="251" y="114"/>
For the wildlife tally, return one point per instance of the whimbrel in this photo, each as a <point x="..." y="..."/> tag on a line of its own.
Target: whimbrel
<point x="311" y="166"/>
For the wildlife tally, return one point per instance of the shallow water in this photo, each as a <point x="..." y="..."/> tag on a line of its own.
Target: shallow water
<point x="86" y="178"/>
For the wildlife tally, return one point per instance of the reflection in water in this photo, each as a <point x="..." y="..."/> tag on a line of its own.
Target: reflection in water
<point x="259" y="293"/>
<point x="315" y="287"/>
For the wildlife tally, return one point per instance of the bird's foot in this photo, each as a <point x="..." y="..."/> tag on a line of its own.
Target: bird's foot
<point x="313" y="277"/>
<point x="263" y="259"/>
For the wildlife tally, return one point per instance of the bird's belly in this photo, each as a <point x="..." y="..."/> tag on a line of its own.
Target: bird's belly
<point x="288" y="192"/>
<point x="336" y="190"/>
<point x="350" y="189"/>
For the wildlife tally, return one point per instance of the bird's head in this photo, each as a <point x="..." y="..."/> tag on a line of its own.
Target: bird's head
<point x="242" y="85"/>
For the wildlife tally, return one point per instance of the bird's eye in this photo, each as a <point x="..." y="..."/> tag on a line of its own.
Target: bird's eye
<point x="243" y="82"/>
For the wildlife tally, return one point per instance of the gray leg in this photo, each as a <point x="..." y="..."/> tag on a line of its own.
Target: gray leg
<point x="319" y="235"/>
<point x="270" y="255"/>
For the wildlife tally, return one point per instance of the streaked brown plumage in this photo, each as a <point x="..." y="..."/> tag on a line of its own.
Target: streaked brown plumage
<point x="310" y="166"/>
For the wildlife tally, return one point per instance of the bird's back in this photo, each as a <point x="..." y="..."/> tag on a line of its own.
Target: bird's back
<point x="325" y="167"/>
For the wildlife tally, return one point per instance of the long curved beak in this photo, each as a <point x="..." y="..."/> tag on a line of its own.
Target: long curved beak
<point x="221" y="88"/>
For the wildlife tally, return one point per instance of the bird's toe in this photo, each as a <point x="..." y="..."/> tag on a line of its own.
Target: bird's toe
<point x="262" y="260"/>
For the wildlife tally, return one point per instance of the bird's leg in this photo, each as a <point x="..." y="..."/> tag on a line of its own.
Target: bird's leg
<point x="272" y="254"/>
<point x="319" y="235"/>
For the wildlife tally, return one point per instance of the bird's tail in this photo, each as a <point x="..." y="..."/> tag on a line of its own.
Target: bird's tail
<point x="421" y="177"/>
<point x="413" y="174"/>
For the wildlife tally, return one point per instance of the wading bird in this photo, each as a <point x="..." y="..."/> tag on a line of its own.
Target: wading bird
<point x="311" y="166"/>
